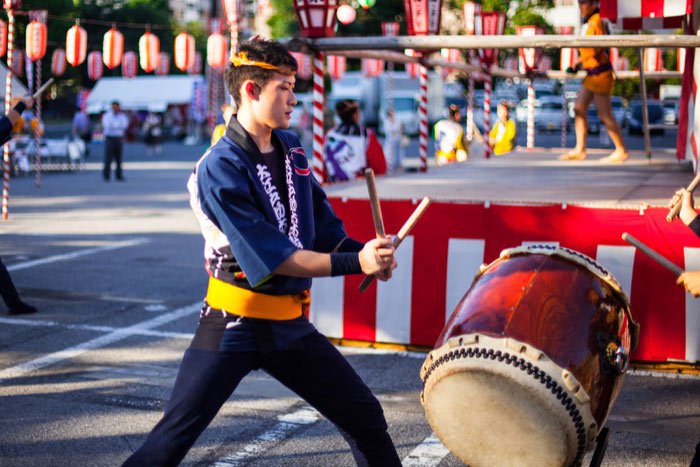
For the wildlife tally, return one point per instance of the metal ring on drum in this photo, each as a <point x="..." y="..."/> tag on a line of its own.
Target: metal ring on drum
<point x="528" y="366"/>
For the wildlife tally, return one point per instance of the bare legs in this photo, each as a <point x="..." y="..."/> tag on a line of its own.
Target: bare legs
<point x="602" y="103"/>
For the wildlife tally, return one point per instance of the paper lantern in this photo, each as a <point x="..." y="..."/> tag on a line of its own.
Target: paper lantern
<point x="216" y="50"/>
<point x="36" y="40"/>
<point x="372" y="67"/>
<point x="412" y="68"/>
<point x="12" y="4"/>
<point x="346" y="14"/>
<point x="470" y="11"/>
<point x="149" y="48"/>
<point x="316" y="17"/>
<point x="129" y="64"/>
<point x="184" y="51"/>
<point x="452" y="56"/>
<point x="230" y="11"/>
<point x="304" y="65"/>
<point x="163" y="67"/>
<point x="18" y="62"/>
<point x="76" y="45"/>
<point x="423" y="17"/>
<point x="652" y="60"/>
<point x="196" y="67"/>
<point x="336" y="66"/>
<point x="58" y="62"/>
<point x="3" y="37"/>
<point x="94" y="65"/>
<point x="529" y="56"/>
<point x="489" y="23"/>
<point x="112" y="48"/>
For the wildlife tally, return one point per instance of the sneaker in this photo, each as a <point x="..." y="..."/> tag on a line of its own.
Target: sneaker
<point x="21" y="309"/>
<point x="573" y="156"/>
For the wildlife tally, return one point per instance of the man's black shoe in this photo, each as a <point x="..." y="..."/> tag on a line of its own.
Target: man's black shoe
<point x="21" y="309"/>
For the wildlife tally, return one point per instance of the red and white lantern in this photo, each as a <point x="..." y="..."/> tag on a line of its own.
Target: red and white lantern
<point x="58" y="62"/>
<point x="652" y="60"/>
<point x="412" y="68"/>
<point x="36" y="40"/>
<point x="196" y="67"/>
<point x="129" y="64"/>
<point x="76" y="45"/>
<point x="470" y="10"/>
<point x="619" y="62"/>
<point x="3" y="38"/>
<point x="163" y="67"/>
<point x="184" y="51"/>
<point x="567" y="58"/>
<point x="112" y="48"/>
<point x="529" y="56"/>
<point x="216" y="50"/>
<point x="346" y="14"/>
<point x="372" y="67"/>
<point x="94" y="65"/>
<point x="304" y="65"/>
<point x="337" y="65"/>
<point x="149" y="48"/>
<point x="423" y="17"/>
<point x="452" y="56"/>
<point x="316" y="17"/>
<point x="490" y="23"/>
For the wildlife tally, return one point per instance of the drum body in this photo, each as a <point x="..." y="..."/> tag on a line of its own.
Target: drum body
<point x="531" y="361"/>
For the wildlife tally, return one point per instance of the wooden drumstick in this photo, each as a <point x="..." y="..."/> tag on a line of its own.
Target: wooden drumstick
<point x="374" y="203"/>
<point x="403" y="233"/>
<point x="676" y="208"/>
<point x="663" y="261"/>
<point x="42" y="88"/>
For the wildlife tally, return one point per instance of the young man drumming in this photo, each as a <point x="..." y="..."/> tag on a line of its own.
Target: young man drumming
<point x="268" y="229"/>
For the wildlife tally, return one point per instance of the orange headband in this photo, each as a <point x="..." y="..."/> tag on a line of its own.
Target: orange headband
<point x="241" y="59"/>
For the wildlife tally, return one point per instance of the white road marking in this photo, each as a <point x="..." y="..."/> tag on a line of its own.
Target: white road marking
<point x="288" y="424"/>
<point x="77" y="254"/>
<point x="90" y="327"/>
<point x="428" y="453"/>
<point x="102" y="341"/>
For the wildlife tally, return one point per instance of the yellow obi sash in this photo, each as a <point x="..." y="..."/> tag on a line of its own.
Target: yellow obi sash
<point x="242" y="302"/>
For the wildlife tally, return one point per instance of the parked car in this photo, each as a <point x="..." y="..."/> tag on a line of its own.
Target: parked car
<point x="548" y="114"/>
<point x="671" y="108"/>
<point x="618" y="109"/>
<point x="634" y="119"/>
<point x="594" y="122"/>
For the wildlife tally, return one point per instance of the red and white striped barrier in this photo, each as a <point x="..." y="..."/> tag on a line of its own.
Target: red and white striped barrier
<point x="487" y="110"/>
<point x="423" y="119"/>
<point x="439" y="260"/>
<point x="317" y="162"/>
<point x="8" y="103"/>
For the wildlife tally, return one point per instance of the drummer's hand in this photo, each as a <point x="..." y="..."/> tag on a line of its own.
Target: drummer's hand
<point x="691" y="281"/>
<point x="376" y="256"/>
<point x="28" y="101"/>
<point x="687" y="212"/>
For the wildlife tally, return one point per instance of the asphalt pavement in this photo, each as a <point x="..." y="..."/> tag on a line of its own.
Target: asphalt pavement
<point x="116" y="271"/>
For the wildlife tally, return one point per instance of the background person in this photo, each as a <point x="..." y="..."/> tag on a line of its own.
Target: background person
<point x="80" y="128"/>
<point x="153" y="134"/>
<point x="504" y="131"/>
<point x="114" y="125"/>
<point x="394" y="132"/>
<point x="450" y="139"/>
<point x="597" y="87"/>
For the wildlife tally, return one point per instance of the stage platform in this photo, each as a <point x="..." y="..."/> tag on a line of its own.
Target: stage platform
<point x="481" y="207"/>
<point x="537" y="177"/>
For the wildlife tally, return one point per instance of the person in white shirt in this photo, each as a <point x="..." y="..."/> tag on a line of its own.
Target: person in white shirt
<point x="114" y="125"/>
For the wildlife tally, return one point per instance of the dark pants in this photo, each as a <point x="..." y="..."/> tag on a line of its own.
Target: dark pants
<point x="7" y="288"/>
<point x="314" y="369"/>
<point x="113" y="152"/>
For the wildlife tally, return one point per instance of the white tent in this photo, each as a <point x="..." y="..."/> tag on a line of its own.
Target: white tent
<point x="18" y="88"/>
<point x="152" y="93"/>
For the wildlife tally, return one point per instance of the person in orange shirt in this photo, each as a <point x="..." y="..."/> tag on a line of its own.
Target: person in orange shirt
<point x="597" y="86"/>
